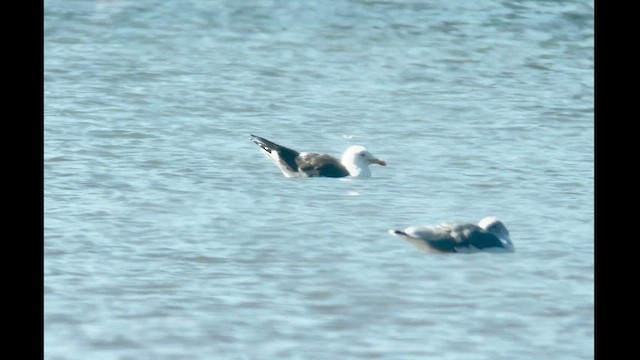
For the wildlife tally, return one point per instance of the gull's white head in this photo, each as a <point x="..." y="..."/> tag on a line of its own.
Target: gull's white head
<point x="357" y="160"/>
<point x="495" y="226"/>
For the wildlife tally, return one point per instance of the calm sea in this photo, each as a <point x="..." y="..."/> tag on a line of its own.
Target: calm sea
<point x="169" y="236"/>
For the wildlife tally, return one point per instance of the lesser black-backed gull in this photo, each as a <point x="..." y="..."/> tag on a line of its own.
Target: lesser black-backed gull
<point x="355" y="161"/>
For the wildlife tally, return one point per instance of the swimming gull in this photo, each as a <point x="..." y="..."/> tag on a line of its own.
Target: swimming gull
<point x="490" y="235"/>
<point x="355" y="161"/>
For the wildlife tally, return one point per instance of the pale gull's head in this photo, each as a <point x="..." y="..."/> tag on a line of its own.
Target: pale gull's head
<point x="357" y="160"/>
<point x="495" y="226"/>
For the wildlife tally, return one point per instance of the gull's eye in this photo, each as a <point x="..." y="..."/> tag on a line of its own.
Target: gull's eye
<point x="362" y="155"/>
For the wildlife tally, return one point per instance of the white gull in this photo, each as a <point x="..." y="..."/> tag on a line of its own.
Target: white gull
<point x="489" y="235"/>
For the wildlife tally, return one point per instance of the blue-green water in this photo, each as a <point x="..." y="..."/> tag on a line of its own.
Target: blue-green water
<point x="169" y="236"/>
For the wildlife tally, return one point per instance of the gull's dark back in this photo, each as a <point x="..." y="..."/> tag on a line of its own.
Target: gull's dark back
<point x="286" y="155"/>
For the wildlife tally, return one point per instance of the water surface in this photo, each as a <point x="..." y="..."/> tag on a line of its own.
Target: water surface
<point x="169" y="236"/>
